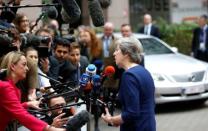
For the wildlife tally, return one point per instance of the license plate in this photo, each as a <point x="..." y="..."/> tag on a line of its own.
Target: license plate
<point x="193" y="90"/>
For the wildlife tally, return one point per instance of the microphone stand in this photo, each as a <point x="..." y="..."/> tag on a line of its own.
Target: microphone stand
<point x="56" y="81"/>
<point x="37" y="20"/>
<point x="96" y="110"/>
<point x="68" y="105"/>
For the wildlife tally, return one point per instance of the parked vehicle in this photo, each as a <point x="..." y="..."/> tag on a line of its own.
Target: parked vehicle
<point x="177" y="77"/>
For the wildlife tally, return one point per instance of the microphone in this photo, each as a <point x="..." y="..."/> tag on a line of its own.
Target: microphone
<point x="78" y="121"/>
<point x="91" y="70"/>
<point x="51" y="12"/>
<point x="96" y="82"/>
<point x="96" y="12"/>
<point x="70" y="12"/>
<point x="109" y="70"/>
<point x="105" y="3"/>
<point x="85" y="83"/>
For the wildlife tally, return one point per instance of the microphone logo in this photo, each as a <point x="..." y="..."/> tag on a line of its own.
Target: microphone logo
<point x="91" y="70"/>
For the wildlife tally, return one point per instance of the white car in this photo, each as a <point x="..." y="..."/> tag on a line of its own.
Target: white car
<point x="177" y="77"/>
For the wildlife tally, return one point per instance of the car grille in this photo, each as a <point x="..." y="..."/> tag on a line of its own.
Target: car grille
<point x="194" y="77"/>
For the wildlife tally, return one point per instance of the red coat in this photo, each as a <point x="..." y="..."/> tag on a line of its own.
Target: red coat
<point x="11" y="108"/>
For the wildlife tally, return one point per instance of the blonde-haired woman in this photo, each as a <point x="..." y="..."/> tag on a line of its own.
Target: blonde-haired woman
<point x="10" y="106"/>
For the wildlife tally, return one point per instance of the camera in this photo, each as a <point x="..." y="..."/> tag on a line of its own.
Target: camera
<point x="7" y="38"/>
<point x="33" y="40"/>
<point x="67" y="112"/>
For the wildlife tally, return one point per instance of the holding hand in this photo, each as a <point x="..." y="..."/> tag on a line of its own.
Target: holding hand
<point x="59" y="121"/>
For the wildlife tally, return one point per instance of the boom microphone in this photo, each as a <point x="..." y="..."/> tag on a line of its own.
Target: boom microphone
<point x="105" y="3"/>
<point x="51" y="12"/>
<point x="96" y="12"/>
<point x="70" y="12"/>
<point x="78" y="121"/>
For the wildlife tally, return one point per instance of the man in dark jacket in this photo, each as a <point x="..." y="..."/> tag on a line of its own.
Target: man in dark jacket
<point x="149" y="28"/>
<point x="200" y="40"/>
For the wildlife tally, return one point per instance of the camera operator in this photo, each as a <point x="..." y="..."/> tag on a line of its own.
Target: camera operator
<point x="59" y="117"/>
<point x="47" y="37"/>
<point x="10" y="40"/>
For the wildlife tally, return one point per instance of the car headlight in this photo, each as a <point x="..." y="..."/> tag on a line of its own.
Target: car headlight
<point x="158" y="77"/>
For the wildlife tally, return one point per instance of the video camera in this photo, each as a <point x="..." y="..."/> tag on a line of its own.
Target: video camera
<point x="9" y="36"/>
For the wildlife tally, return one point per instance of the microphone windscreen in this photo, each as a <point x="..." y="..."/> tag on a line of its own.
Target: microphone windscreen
<point x="109" y="70"/>
<point x="91" y="69"/>
<point x="105" y="3"/>
<point x="96" y="80"/>
<point x="96" y="12"/>
<point x="78" y="121"/>
<point x="52" y="12"/>
<point x="70" y="12"/>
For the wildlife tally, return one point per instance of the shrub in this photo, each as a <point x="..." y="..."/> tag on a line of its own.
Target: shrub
<point x="177" y="35"/>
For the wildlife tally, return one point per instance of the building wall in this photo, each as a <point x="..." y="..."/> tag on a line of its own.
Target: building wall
<point x="118" y="12"/>
<point x="187" y="10"/>
<point x="31" y="13"/>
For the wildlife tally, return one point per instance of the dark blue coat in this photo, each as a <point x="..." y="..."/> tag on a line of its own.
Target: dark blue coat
<point x="154" y="31"/>
<point x="136" y="95"/>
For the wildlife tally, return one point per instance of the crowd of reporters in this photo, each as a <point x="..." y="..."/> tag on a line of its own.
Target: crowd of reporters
<point x="50" y="58"/>
<point x="53" y="64"/>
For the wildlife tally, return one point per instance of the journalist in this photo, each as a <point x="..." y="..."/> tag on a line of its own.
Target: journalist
<point x="10" y="106"/>
<point x="136" y="92"/>
<point x="58" y="117"/>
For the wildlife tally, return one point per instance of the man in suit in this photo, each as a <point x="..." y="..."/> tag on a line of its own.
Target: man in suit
<point x="126" y="30"/>
<point x="149" y="28"/>
<point x="110" y="85"/>
<point x="200" y="40"/>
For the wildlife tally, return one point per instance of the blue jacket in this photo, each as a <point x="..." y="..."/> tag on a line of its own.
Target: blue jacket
<point x="136" y="95"/>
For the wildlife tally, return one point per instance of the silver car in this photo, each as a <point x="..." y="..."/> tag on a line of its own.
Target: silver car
<point x="177" y="77"/>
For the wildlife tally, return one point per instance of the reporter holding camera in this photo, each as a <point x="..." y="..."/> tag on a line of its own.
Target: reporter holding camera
<point x="136" y="92"/>
<point x="59" y="117"/>
<point x="10" y="106"/>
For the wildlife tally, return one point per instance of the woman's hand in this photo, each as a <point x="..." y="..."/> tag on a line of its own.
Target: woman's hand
<point x="113" y="120"/>
<point x="59" y="121"/>
<point x="107" y="117"/>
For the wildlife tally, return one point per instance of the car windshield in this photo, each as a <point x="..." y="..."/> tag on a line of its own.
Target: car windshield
<point x="153" y="46"/>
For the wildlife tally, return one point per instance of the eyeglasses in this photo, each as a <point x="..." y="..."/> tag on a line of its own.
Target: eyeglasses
<point x="58" y="105"/>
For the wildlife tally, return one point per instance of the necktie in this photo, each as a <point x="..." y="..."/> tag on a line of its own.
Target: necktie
<point x="146" y="30"/>
<point x="106" y="47"/>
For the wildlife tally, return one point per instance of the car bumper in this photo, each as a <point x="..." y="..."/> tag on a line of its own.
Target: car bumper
<point x="181" y="92"/>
